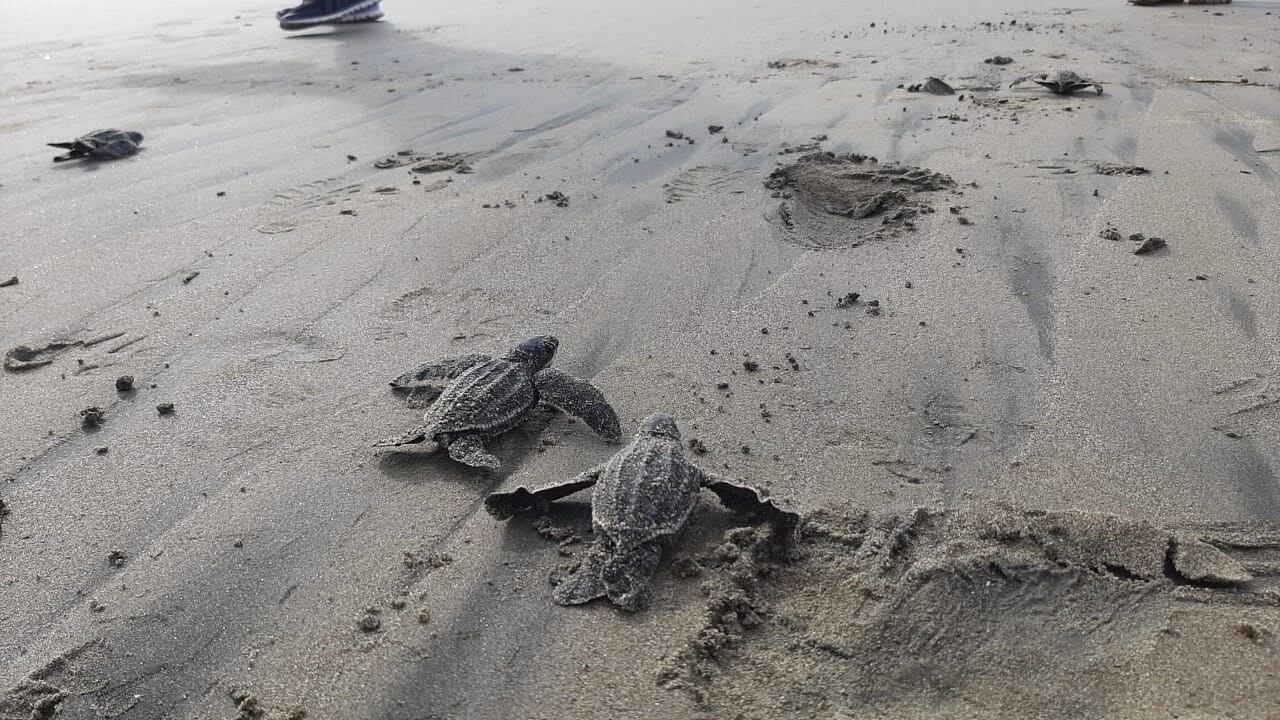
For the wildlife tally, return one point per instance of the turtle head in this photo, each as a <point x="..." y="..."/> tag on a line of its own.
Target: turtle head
<point x="536" y="352"/>
<point x="659" y="425"/>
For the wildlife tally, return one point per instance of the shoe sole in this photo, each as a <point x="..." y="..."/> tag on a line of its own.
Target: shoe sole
<point x="332" y="18"/>
<point x="361" y="17"/>
<point x="358" y="16"/>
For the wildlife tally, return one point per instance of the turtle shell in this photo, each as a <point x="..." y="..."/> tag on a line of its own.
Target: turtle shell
<point x="1065" y="78"/>
<point x="646" y="492"/>
<point x="487" y="399"/>
<point x="111" y="144"/>
<point x="106" y="136"/>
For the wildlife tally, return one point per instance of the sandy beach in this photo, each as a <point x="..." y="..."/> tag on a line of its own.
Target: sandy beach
<point x="1038" y="471"/>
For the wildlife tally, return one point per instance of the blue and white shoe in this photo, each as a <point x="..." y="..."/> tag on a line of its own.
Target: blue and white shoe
<point x="373" y="13"/>
<point x="312" y="13"/>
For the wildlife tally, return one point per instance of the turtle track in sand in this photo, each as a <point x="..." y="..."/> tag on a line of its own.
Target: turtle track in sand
<point x="944" y="614"/>
<point x="832" y="201"/>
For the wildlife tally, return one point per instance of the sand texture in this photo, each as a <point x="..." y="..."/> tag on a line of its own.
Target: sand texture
<point x="1037" y="468"/>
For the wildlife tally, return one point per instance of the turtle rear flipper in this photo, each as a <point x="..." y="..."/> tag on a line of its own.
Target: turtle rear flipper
<point x="579" y="398"/>
<point x="77" y="150"/>
<point x="412" y="437"/>
<point x="506" y="504"/>
<point x="469" y="450"/>
<point x="627" y="573"/>
<point x="587" y="582"/>
<point x="748" y="500"/>
<point x="438" y="373"/>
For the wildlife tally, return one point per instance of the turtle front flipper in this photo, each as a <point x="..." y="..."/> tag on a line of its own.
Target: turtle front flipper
<point x="579" y="398"/>
<point x="506" y="504"/>
<point x="470" y="450"/>
<point x="627" y="573"/>
<point x="1075" y="87"/>
<point x="587" y="582"/>
<point x="424" y="383"/>
<point x="438" y="373"/>
<point x="749" y="501"/>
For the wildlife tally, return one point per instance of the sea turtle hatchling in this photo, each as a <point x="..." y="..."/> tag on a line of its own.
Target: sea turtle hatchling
<point x="1061" y="82"/>
<point x="484" y="396"/>
<point x="644" y="496"/>
<point x="101" y="145"/>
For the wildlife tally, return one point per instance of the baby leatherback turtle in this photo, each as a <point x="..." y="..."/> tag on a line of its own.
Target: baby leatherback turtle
<point x="101" y="145"/>
<point x="1061" y="82"/>
<point x="644" y="497"/>
<point x="485" y="396"/>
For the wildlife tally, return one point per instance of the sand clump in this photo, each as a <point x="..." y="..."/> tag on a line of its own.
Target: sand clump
<point x="801" y="63"/>
<point x="964" y="614"/>
<point x="23" y="358"/>
<point x="423" y="163"/>
<point x="249" y="707"/>
<point x="831" y="200"/>
<point x="1114" y="169"/>
<point x="31" y="700"/>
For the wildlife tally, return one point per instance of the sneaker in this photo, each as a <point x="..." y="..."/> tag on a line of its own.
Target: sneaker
<point x="373" y="13"/>
<point x="370" y="14"/>
<point x="325" y="12"/>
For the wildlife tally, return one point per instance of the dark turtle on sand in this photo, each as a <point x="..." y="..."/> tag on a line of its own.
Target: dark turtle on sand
<point x="1062" y="82"/>
<point x="101" y="145"/>
<point x="484" y="396"/>
<point x="643" y="499"/>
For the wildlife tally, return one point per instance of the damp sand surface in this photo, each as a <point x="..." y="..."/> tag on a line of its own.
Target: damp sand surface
<point x="270" y="259"/>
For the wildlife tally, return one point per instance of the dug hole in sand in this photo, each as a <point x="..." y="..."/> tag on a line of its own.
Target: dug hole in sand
<point x="944" y="614"/>
<point x="831" y="200"/>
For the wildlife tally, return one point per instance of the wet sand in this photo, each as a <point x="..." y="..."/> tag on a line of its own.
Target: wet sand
<point x="1016" y="360"/>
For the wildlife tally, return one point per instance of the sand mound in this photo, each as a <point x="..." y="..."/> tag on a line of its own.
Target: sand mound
<point x="831" y="200"/>
<point x="942" y="615"/>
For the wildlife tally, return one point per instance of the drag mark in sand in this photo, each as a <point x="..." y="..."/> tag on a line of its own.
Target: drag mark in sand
<point x="935" y="429"/>
<point x="702" y="180"/>
<point x="1241" y="217"/>
<point x="1029" y="280"/>
<point x="1246" y="408"/>
<point x="308" y="196"/>
<point x="1239" y="142"/>
<point x="1255" y="481"/>
<point x="1243" y="314"/>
